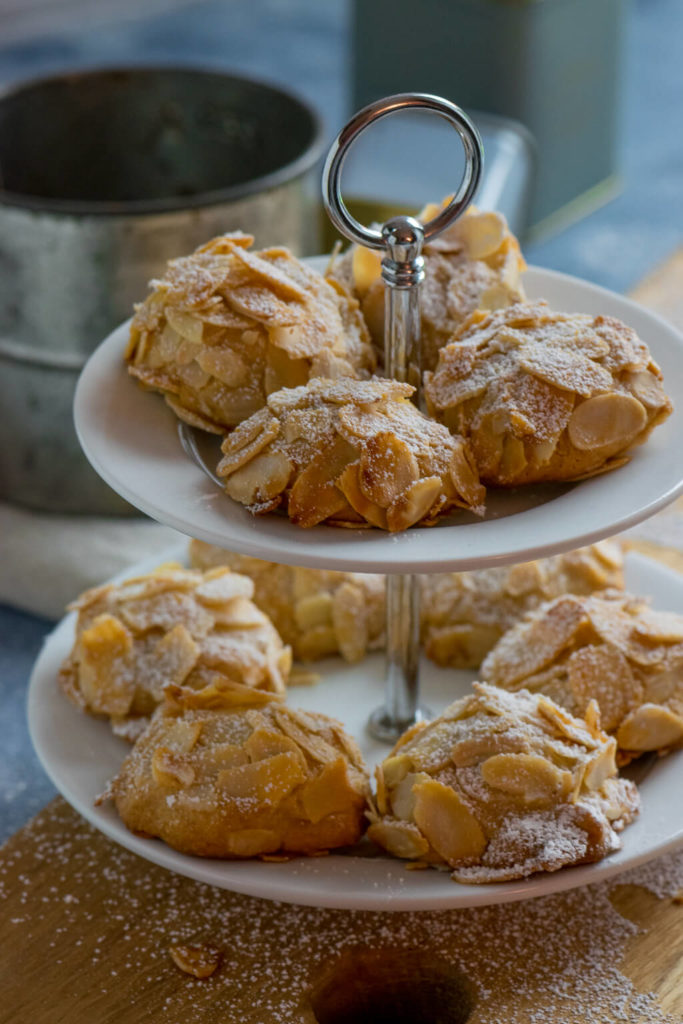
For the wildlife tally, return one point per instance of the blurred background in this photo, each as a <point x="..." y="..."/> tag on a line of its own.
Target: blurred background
<point x="604" y="75"/>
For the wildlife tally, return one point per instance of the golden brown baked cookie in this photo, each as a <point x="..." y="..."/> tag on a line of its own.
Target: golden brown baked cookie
<point x="317" y="612"/>
<point x="320" y="612"/>
<point x="349" y="453"/>
<point x="500" y="786"/>
<point x="474" y="264"/>
<point x="232" y="772"/>
<point x="546" y="396"/>
<point x="611" y="648"/>
<point x="172" y="625"/>
<point x="225" y="326"/>
<point x="465" y="613"/>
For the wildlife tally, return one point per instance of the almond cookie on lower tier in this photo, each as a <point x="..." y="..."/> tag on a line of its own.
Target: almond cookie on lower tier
<point x="501" y="786"/>
<point x="225" y="326"/>
<point x="476" y="263"/>
<point x="172" y="625"/>
<point x="546" y="396"/>
<point x="612" y="648"/>
<point x="465" y="613"/>
<point x="320" y="612"/>
<point x="231" y="772"/>
<point x="349" y="453"/>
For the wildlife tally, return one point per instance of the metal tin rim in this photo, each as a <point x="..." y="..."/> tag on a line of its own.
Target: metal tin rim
<point x="141" y="207"/>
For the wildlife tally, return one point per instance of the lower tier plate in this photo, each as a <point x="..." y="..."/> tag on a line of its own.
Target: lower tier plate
<point x="80" y="754"/>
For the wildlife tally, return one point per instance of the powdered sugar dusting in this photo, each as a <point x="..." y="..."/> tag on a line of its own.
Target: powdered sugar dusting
<point x="560" y="958"/>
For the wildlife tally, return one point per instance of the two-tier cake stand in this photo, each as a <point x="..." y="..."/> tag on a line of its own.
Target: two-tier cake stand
<point x="135" y="443"/>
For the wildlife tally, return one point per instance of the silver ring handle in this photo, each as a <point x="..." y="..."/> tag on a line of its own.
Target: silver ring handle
<point x="474" y="158"/>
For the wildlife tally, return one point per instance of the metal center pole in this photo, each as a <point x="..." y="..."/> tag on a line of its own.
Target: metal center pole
<point x="402" y="239"/>
<point x="402" y="272"/>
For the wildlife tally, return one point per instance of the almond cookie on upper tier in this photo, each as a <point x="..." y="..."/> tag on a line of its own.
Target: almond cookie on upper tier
<point x="172" y="625"/>
<point x="349" y="453"/>
<point x="612" y="648"/>
<point x="231" y="772"/>
<point x="465" y="613"/>
<point x="500" y="786"/>
<point x="317" y="612"/>
<point x="225" y="326"/>
<point x="474" y="264"/>
<point x="546" y="396"/>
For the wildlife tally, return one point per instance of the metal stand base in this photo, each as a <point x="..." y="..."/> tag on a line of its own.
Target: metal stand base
<point x="383" y="727"/>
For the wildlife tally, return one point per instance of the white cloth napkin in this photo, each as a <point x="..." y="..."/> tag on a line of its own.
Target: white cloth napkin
<point x="48" y="560"/>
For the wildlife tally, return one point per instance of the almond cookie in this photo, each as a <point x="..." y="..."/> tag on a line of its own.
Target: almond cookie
<point x="475" y="264"/>
<point x="546" y="396"/>
<point x="318" y="612"/>
<point x="465" y="613"/>
<point x="231" y="772"/>
<point x="171" y="626"/>
<point x="612" y="648"/>
<point x="501" y="786"/>
<point x="349" y="453"/>
<point x="225" y="326"/>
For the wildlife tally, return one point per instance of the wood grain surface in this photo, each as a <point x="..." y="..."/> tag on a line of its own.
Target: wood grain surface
<point x="87" y="928"/>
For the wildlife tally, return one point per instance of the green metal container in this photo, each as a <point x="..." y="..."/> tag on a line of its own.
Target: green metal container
<point x="553" y="65"/>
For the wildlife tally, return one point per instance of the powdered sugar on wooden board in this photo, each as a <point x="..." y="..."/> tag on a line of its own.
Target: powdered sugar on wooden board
<point x="91" y="907"/>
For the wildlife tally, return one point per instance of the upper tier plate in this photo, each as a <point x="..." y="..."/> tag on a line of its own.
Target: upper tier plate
<point x="131" y="438"/>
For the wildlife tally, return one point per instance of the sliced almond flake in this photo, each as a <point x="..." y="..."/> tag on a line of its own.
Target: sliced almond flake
<point x="105" y="675"/>
<point x="606" y="420"/>
<point x="200" y="961"/>
<point x="274" y="276"/>
<point x="164" y="611"/>
<point x="228" y="242"/>
<point x="546" y="408"/>
<point x="164" y="578"/>
<point x="294" y="726"/>
<point x="414" y="504"/>
<point x="220" y="695"/>
<point x="482" y="233"/>
<point x="650" y="727"/>
<point x="349" y="619"/>
<point x="659" y="627"/>
<point x="268" y="781"/>
<point x="172" y="769"/>
<point x="387" y="468"/>
<point x="329" y="792"/>
<point x="627" y="351"/>
<point x="194" y="419"/>
<point x="510" y="662"/>
<point x="262" y="479"/>
<point x="175" y="655"/>
<point x="603" y="673"/>
<point x="219" y="586"/>
<point x="247" y="439"/>
<point x="448" y="387"/>
<point x="565" y="369"/>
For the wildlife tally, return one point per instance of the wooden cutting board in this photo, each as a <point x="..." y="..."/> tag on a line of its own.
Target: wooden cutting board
<point x="86" y="930"/>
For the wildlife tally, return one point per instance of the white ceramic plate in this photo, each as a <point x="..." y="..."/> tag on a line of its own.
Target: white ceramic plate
<point x="80" y="754"/>
<point x="131" y="438"/>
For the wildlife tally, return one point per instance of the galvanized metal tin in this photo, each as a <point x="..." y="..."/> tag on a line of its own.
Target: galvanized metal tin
<point x="105" y="175"/>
